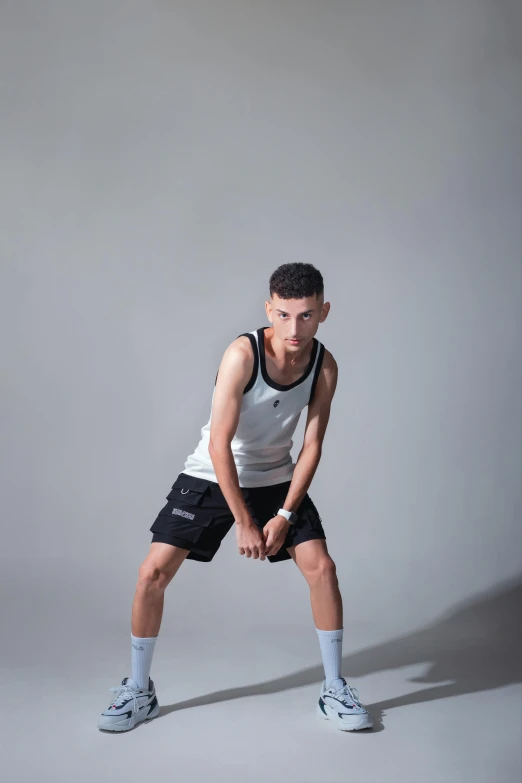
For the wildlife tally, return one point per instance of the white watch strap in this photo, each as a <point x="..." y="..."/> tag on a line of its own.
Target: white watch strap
<point x="286" y="514"/>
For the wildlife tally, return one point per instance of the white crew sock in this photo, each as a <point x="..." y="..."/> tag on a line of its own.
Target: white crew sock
<point x="331" y="643"/>
<point x="142" y="650"/>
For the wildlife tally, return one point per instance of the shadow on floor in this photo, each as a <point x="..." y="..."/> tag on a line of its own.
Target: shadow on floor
<point x="477" y="645"/>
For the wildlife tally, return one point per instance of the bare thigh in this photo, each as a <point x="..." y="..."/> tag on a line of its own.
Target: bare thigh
<point x="307" y="553"/>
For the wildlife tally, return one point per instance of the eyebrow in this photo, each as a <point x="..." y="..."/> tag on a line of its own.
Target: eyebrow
<point x="303" y="313"/>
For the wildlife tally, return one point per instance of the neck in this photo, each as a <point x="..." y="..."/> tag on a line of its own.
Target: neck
<point x="282" y="354"/>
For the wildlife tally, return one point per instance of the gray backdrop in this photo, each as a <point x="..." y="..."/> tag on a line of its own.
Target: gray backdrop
<point x="159" y="161"/>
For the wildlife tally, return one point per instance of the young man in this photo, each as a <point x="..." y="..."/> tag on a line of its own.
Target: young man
<point x="242" y="474"/>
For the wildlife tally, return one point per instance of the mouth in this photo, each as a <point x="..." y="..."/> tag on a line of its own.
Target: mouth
<point x="293" y="342"/>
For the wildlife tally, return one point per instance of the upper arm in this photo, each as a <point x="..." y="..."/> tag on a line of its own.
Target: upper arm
<point x="233" y="375"/>
<point x="319" y="408"/>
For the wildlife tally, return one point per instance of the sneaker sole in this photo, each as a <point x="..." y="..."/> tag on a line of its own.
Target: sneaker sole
<point x="127" y="723"/>
<point x="354" y="723"/>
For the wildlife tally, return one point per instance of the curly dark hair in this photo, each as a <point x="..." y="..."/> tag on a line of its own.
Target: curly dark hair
<point x="296" y="281"/>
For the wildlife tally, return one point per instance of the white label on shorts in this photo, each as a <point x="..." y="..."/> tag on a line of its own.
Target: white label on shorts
<point x="181" y="513"/>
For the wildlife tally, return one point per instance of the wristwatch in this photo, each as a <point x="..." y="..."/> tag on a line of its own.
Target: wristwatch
<point x="290" y="515"/>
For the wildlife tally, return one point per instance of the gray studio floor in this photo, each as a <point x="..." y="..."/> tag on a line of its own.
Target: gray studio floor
<point x="446" y="702"/>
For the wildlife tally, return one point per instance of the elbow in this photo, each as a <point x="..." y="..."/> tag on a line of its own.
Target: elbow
<point x="217" y="447"/>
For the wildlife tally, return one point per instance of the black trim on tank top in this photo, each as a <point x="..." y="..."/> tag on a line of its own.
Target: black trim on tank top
<point x="267" y="379"/>
<point x="256" y="362"/>
<point x="316" y="373"/>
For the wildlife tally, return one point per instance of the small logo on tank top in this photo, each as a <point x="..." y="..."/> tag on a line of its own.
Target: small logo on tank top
<point x="276" y="403"/>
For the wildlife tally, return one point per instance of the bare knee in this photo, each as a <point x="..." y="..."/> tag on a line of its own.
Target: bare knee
<point x="161" y="564"/>
<point x="153" y="576"/>
<point x="323" y="571"/>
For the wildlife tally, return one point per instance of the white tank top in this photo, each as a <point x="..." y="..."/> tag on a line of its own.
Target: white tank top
<point x="269" y="415"/>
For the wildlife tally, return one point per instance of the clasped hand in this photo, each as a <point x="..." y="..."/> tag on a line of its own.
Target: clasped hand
<point x="259" y="544"/>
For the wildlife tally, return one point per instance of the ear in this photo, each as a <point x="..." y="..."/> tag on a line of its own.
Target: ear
<point x="325" y="309"/>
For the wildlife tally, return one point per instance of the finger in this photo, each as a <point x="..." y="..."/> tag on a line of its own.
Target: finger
<point x="248" y="552"/>
<point x="241" y="550"/>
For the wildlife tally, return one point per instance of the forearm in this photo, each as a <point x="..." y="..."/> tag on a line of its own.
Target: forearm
<point x="304" y="471"/>
<point x="226" y="474"/>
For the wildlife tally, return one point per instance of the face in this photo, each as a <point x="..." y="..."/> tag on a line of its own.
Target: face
<point x="296" y="318"/>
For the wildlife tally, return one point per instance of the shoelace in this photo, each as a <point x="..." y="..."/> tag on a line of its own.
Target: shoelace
<point x="352" y="693"/>
<point x="123" y="692"/>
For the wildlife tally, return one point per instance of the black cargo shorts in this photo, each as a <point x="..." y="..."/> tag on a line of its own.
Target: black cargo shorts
<point x="197" y="517"/>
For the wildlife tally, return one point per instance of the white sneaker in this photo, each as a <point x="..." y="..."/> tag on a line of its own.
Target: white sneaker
<point x="342" y="705"/>
<point x="130" y="706"/>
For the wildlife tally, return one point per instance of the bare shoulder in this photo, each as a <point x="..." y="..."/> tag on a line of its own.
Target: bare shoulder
<point x="329" y="369"/>
<point x="329" y="363"/>
<point x="320" y="404"/>
<point x="243" y="344"/>
<point x="236" y="363"/>
<point x="240" y="352"/>
<point x="233" y="375"/>
<point x="327" y="380"/>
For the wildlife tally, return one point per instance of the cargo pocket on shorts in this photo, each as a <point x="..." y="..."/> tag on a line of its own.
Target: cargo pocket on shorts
<point x="182" y="516"/>
<point x="189" y="490"/>
<point x="309" y="518"/>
